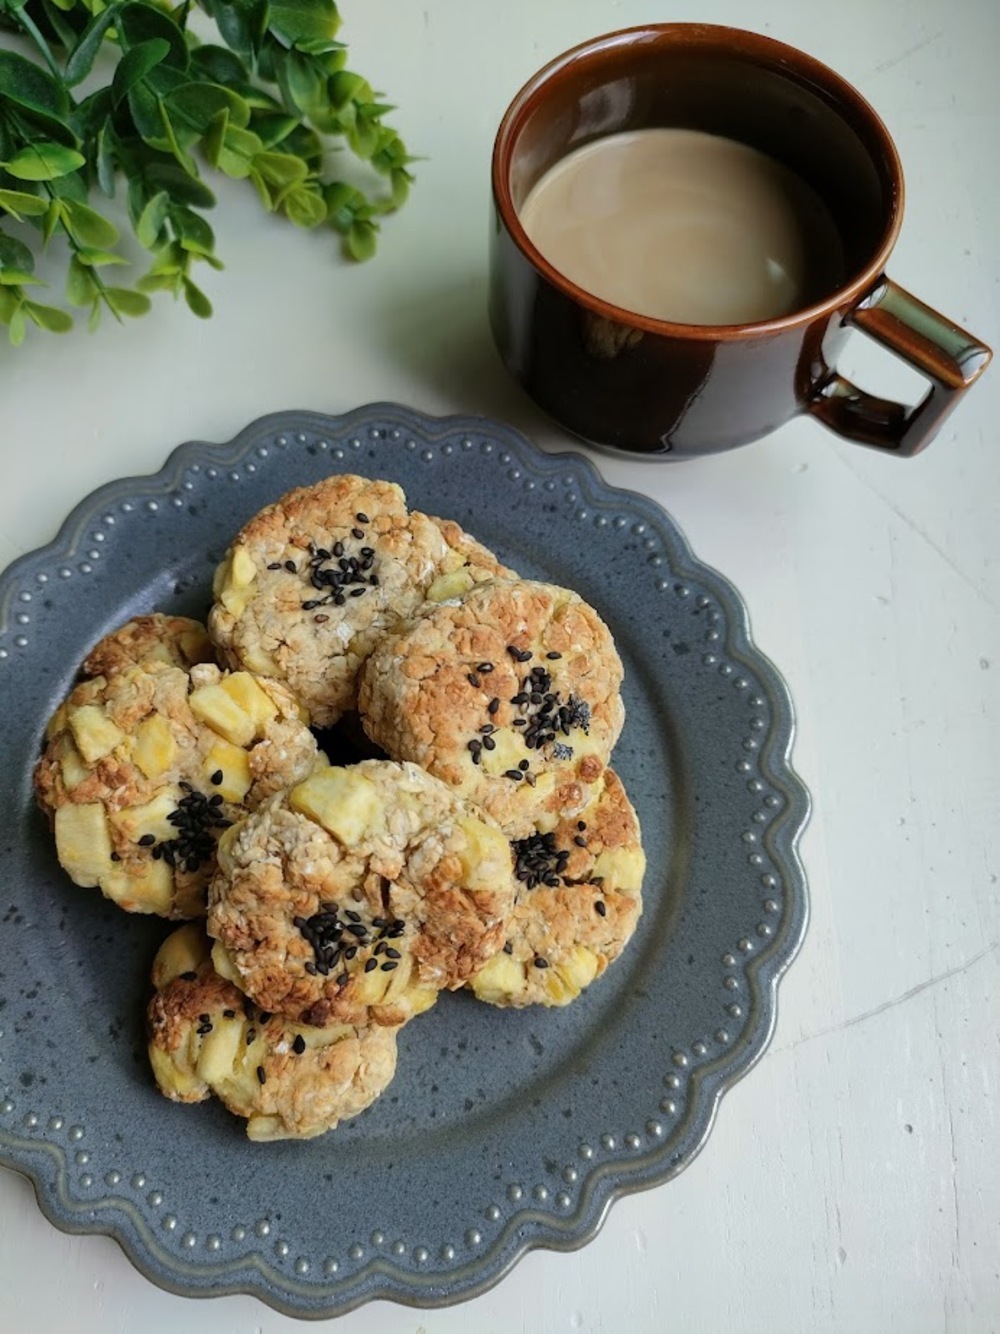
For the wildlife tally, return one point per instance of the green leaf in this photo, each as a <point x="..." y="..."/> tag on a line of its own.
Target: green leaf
<point x="198" y="302"/>
<point x="196" y="104"/>
<point x="343" y="204"/>
<point x="17" y="326"/>
<point x="19" y="204"/>
<point x="50" y="318"/>
<point x="219" y="65"/>
<point x="124" y="301"/>
<point x="150" y="222"/>
<point x="361" y="240"/>
<point x="303" y="20"/>
<point x="95" y="316"/>
<point x="363" y="138"/>
<point x="28" y="85"/>
<point x="174" y="140"/>
<point x="242" y="24"/>
<point x="133" y="67"/>
<point x="301" y="83"/>
<point x="273" y="129"/>
<point x="345" y="87"/>
<point x="98" y="259"/>
<point x="193" y="232"/>
<point x="15" y="254"/>
<point x="43" y="161"/>
<point x="83" y="54"/>
<point x="18" y="278"/>
<point x="281" y="169"/>
<point x="105" y="161"/>
<point x="9" y="302"/>
<point x="304" y="207"/>
<point x="140" y="24"/>
<point x="182" y="188"/>
<point x="53" y="218"/>
<point x="81" y="285"/>
<point x="88" y="227"/>
<point x="159" y="282"/>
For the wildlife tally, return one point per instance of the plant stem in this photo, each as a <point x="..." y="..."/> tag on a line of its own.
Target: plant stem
<point x="28" y="23"/>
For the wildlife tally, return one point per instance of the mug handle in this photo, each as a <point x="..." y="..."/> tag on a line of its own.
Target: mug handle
<point x="949" y="357"/>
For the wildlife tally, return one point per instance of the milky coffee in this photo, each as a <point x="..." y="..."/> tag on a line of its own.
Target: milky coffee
<point x="685" y="226"/>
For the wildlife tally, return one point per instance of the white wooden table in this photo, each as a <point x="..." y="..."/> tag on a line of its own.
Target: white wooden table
<point x="852" y="1180"/>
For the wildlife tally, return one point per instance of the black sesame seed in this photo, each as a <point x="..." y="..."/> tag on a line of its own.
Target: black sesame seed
<point x="600" y="907"/>
<point x="147" y="840"/>
<point x="388" y="967"/>
<point x="291" y="567"/>
<point x="190" y="976"/>
<point x="523" y="765"/>
<point x="229" y="1014"/>
<point x="342" y="979"/>
<point x="261" y="1074"/>
<point x="390" y="953"/>
<point x="493" y="705"/>
<point x="116" y="856"/>
<point x="275" y="565"/>
<point x="485" y="668"/>
<point x="508" y="948"/>
<point x="473" y="679"/>
<point x="514" y="775"/>
<point x="299" y="1044"/>
<point x="580" y="841"/>
<point x="361" y="518"/>
<point x="264" y="1016"/>
<point x="216" y="778"/>
<point x="371" y="965"/>
<point x="311" y="969"/>
<point x="539" y="962"/>
<point x="553" y="656"/>
<point x="251" y="1036"/>
<point x="358" y="533"/>
<point x="489" y="743"/>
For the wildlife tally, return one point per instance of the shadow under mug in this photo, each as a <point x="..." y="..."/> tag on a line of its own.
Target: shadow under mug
<point x="635" y="384"/>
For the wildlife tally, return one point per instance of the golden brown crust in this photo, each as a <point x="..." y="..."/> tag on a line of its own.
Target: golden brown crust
<point x="176" y="640"/>
<point x="577" y="905"/>
<point x="290" y="1082"/>
<point x="510" y="694"/>
<point x="402" y="893"/>
<point x="311" y="583"/>
<point x="138" y="784"/>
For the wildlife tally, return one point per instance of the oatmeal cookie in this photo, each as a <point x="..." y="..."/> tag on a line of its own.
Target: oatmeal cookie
<point x="175" y="640"/>
<point x="363" y="891"/>
<point x="312" y="582"/>
<point x="288" y="1080"/>
<point x="509" y="693"/>
<point x="577" y="905"/>
<point x="143" y="769"/>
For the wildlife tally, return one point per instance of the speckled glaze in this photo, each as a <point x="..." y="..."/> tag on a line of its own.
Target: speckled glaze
<point x="502" y="1130"/>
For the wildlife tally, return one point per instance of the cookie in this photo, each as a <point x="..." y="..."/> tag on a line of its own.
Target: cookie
<point x="311" y="583"/>
<point x="143" y="769"/>
<point x="509" y="693"/>
<point x="288" y="1081"/>
<point x="361" y="892"/>
<point x="579" y="898"/>
<point x="176" y="640"/>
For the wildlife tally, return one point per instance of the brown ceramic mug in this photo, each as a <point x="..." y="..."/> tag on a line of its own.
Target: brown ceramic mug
<point x="647" y="386"/>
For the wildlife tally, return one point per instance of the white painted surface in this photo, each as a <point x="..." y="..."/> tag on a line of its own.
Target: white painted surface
<point x="852" y="1180"/>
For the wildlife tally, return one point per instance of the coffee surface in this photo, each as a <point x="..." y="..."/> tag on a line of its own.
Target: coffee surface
<point x="685" y="226"/>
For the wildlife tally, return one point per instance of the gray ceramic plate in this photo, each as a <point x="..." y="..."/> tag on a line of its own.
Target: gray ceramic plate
<point x="502" y="1131"/>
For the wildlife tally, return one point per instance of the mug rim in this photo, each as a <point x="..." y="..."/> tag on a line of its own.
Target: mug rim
<point x="785" y="59"/>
